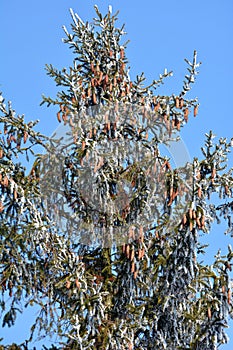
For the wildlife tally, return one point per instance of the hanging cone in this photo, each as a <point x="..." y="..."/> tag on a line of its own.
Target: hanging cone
<point x="186" y="114"/>
<point x="203" y="221"/>
<point x="132" y="254"/>
<point x="77" y="283"/>
<point x="100" y="78"/>
<point x="132" y="267"/>
<point x="59" y="117"/>
<point x="195" y="111"/>
<point x="198" y="222"/>
<point x="229" y="296"/>
<point x="68" y="284"/>
<point x="141" y="234"/>
<point x="94" y="98"/>
<point x="92" y="67"/>
<point x="213" y="174"/>
<point x="71" y="122"/>
<point x="184" y="219"/>
<point x="15" y="194"/>
<point x="25" y="136"/>
<point x="5" y="181"/>
<point x="190" y="213"/>
<point x="127" y="251"/>
<point x="190" y="225"/>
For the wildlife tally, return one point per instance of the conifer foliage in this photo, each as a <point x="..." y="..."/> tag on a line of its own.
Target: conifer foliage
<point x="113" y="275"/>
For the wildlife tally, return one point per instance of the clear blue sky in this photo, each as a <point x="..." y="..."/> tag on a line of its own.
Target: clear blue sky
<point x="162" y="34"/>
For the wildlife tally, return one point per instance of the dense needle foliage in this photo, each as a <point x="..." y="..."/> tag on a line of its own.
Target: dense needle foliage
<point x="147" y="289"/>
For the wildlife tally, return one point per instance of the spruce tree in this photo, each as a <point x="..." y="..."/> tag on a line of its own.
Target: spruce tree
<point x="103" y="233"/>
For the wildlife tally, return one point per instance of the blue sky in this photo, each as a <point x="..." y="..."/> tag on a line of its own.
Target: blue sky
<point x="161" y="33"/>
